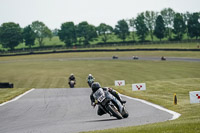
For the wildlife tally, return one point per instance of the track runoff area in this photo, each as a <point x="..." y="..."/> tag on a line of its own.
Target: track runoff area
<point x="69" y="110"/>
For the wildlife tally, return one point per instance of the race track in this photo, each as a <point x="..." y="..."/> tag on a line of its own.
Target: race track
<point x="65" y="110"/>
<point x="107" y="58"/>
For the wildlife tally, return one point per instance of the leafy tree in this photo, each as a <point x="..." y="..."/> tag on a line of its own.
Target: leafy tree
<point x="168" y="17"/>
<point x="86" y="31"/>
<point x="150" y="18"/>
<point x="122" y="29"/>
<point x="186" y="17"/>
<point x="104" y="30"/>
<point x="29" y="36"/>
<point x="141" y="27"/>
<point x="67" y="33"/>
<point x="10" y="35"/>
<point x="194" y="25"/>
<point x="159" y="31"/>
<point x="132" y="23"/>
<point x="179" y="26"/>
<point x="55" y="32"/>
<point x="41" y="31"/>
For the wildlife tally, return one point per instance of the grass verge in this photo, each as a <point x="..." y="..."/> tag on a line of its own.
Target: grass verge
<point x="7" y="94"/>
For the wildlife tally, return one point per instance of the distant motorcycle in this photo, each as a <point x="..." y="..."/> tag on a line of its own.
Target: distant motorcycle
<point x="135" y="57"/>
<point x="109" y="104"/>
<point x="72" y="84"/>
<point x="163" y="58"/>
<point x="115" y="57"/>
<point x="90" y="81"/>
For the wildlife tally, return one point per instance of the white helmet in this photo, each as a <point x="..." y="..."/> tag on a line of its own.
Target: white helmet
<point x="90" y="75"/>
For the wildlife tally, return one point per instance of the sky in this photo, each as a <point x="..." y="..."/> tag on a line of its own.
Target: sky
<point x="55" y="12"/>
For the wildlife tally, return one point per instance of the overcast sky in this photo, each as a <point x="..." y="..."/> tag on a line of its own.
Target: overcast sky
<point x="55" y="12"/>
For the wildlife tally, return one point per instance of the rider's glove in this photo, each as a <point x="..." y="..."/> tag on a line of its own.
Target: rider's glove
<point x="93" y="104"/>
<point x="110" y="89"/>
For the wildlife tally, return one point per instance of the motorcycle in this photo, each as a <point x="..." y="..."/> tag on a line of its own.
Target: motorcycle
<point x="72" y="84"/>
<point x="90" y="81"/>
<point x="109" y="104"/>
<point x="163" y="58"/>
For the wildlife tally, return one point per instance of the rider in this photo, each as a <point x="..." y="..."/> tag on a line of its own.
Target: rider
<point x="90" y="77"/>
<point x="72" y="78"/>
<point x="95" y="87"/>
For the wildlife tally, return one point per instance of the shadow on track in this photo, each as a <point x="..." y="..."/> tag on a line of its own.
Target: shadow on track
<point x="112" y="119"/>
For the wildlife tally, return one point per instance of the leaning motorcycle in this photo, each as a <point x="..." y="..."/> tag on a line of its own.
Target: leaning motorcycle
<point x="109" y="104"/>
<point x="71" y="84"/>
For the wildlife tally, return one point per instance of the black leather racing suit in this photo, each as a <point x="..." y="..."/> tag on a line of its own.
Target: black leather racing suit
<point x="72" y="77"/>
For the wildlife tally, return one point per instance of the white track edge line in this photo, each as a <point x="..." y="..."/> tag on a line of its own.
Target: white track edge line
<point x="16" y="98"/>
<point x="175" y="114"/>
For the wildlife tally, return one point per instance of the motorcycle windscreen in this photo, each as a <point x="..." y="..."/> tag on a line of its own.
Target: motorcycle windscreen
<point x="99" y="95"/>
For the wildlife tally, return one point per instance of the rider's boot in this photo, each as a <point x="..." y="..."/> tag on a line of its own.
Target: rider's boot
<point x="114" y="93"/>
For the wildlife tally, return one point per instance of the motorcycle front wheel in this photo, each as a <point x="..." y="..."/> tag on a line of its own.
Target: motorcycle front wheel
<point x="125" y="113"/>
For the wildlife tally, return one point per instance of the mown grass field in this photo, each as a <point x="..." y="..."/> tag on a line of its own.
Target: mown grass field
<point x="163" y="79"/>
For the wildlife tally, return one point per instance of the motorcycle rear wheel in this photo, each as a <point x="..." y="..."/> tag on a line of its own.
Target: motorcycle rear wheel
<point x="114" y="111"/>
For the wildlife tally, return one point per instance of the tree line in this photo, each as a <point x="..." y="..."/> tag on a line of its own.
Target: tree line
<point x="166" y="23"/>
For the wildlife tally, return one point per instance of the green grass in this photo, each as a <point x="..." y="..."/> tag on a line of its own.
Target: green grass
<point x="9" y="93"/>
<point x="47" y="42"/>
<point x="163" y="79"/>
<point x="149" y="46"/>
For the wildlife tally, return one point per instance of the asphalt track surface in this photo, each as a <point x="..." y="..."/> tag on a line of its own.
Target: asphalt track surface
<point x="107" y="58"/>
<point x="68" y="110"/>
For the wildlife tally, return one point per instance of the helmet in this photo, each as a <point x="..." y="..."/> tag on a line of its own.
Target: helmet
<point x="95" y="86"/>
<point x="90" y="75"/>
<point x="71" y="74"/>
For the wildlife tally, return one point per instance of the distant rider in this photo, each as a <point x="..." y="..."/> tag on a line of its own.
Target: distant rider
<point x="72" y="78"/>
<point x="90" y="79"/>
<point x="95" y="87"/>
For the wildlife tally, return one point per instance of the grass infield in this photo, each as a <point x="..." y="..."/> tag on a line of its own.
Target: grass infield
<point x="163" y="79"/>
